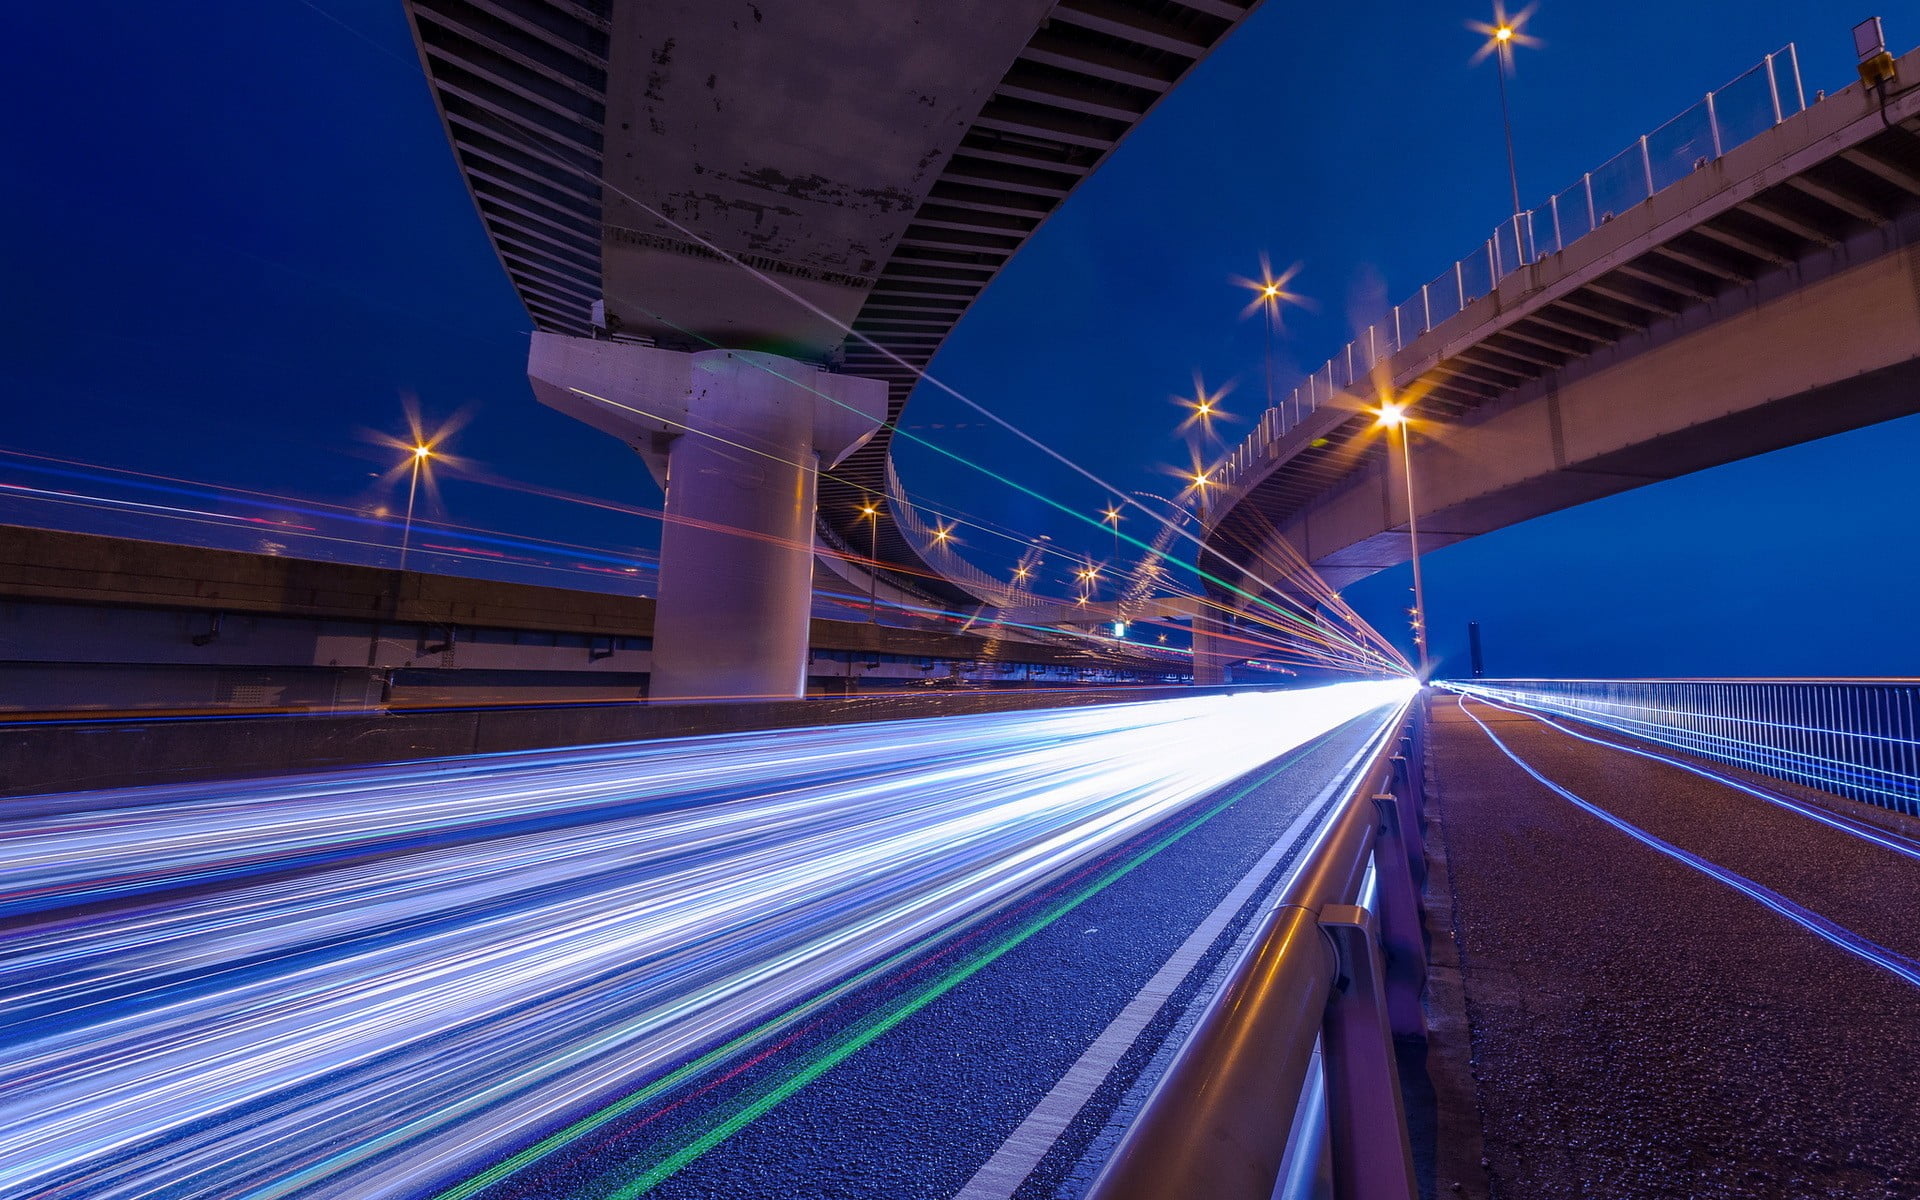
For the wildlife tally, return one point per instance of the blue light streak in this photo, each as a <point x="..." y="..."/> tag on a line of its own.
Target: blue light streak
<point x="1898" y="965"/>
<point x="1866" y="833"/>
<point x="378" y="980"/>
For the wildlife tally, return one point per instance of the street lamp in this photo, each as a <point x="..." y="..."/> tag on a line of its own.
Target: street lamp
<point x="1502" y="36"/>
<point x="1111" y="516"/>
<point x="1269" y="293"/>
<point x="1393" y="417"/>
<point x="872" y="513"/>
<point x="421" y="453"/>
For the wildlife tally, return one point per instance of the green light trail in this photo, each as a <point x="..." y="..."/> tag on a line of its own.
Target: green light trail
<point x="838" y="1051"/>
<point x="870" y="1030"/>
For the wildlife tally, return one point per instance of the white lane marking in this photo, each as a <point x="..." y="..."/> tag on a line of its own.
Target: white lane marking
<point x="1027" y="1145"/>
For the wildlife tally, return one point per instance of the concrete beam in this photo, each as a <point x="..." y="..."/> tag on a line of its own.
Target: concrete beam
<point x="1833" y="349"/>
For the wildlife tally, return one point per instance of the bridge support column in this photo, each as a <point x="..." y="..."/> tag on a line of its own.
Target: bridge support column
<point x="1212" y="648"/>
<point x="737" y="438"/>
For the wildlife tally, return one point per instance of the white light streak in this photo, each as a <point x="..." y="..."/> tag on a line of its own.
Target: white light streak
<point x="379" y="980"/>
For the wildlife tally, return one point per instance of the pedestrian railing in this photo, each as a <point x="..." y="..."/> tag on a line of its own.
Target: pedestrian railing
<point x="1858" y="738"/>
<point x="1751" y="104"/>
<point x="1291" y="1068"/>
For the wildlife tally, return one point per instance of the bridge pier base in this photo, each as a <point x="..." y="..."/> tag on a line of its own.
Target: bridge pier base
<point x="1212" y="648"/>
<point x="737" y="438"/>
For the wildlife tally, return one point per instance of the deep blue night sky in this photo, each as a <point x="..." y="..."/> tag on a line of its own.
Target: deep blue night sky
<point x="236" y="240"/>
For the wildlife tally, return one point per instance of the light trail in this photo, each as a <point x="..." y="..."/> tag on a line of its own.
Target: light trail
<point x="1898" y="965"/>
<point x="383" y="981"/>
<point x="1885" y="839"/>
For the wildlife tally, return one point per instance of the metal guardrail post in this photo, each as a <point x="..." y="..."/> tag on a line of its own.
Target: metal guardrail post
<point x="1217" y="1126"/>
<point x="1799" y="90"/>
<point x="1426" y="310"/>
<point x="1646" y="166"/>
<point x="1593" y="221"/>
<point x="1412" y="821"/>
<point x="1401" y="941"/>
<point x="1773" y="90"/>
<point x="1460" y="282"/>
<point x="1713" y="123"/>
<point x="1366" y="1120"/>
<point x="1215" y="1133"/>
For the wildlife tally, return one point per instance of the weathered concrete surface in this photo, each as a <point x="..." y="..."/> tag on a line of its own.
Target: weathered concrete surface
<point x="739" y="439"/>
<point x="801" y="140"/>
<point x="1640" y="1029"/>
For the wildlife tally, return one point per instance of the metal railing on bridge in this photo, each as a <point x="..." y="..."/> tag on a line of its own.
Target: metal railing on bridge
<point x="1289" y="1075"/>
<point x="1858" y="738"/>
<point x="1729" y="116"/>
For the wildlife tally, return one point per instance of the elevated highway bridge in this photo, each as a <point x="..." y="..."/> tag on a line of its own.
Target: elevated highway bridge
<point x="1766" y="296"/>
<point x="721" y="214"/>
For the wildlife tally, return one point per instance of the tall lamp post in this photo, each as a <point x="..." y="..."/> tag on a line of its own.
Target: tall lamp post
<point x="1502" y="36"/>
<point x="1502" y="53"/>
<point x="1111" y="516"/>
<point x="871" y="512"/>
<point x="1270" y="300"/>
<point x="421" y="453"/>
<point x="1394" y="418"/>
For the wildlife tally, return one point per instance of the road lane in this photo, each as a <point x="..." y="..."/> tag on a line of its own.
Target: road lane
<point x="374" y="980"/>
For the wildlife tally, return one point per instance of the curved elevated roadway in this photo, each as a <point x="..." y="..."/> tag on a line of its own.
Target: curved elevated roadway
<point x="1768" y="297"/>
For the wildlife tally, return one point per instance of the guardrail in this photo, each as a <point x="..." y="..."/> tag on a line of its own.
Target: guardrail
<point x="1858" y="738"/>
<point x="1333" y="972"/>
<point x="1729" y="116"/>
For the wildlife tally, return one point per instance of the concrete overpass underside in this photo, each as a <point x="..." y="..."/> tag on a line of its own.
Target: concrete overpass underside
<point x="879" y="159"/>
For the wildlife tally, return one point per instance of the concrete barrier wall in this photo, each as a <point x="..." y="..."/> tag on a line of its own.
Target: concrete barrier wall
<point x="47" y="757"/>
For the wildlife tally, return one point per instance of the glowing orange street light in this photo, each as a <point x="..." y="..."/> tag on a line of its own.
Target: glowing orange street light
<point x="421" y="453"/>
<point x="1393" y="416"/>
<point x="872" y="513"/>
<point x="1502" y="36"/>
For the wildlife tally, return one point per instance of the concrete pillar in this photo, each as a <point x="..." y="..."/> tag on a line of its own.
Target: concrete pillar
<point x="737" y="438"/>
<point x="1212" y="650"/>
